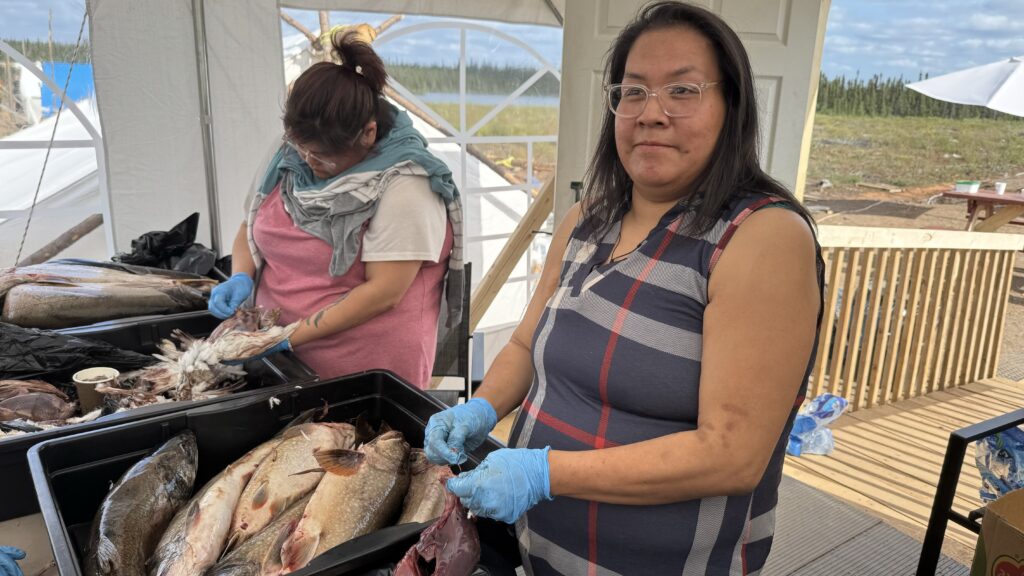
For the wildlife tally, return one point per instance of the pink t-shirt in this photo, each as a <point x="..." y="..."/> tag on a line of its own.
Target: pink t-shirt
<point x="295" y="278"/>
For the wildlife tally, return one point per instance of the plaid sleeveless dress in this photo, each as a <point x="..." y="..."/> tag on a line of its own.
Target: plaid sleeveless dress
<point x="617" y="357"/>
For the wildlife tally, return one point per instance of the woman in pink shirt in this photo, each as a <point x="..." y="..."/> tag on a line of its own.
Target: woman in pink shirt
<point x="352" y="228"/>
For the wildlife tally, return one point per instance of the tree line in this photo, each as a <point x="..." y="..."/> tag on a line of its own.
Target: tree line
<point x="879" y="96"/>
<point x="481" y="78"/>
<point x="39" y="50"/>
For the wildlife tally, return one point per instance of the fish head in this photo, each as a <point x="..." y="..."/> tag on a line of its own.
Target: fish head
<point x="389" y="451"/>
<point x="178" y="459"/>
<point x="418" y="462"/>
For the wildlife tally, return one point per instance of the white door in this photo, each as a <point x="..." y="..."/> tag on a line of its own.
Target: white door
<point x="782" y="37"/>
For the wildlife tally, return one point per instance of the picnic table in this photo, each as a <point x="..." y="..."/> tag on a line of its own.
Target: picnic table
<point x="988" y="211"/>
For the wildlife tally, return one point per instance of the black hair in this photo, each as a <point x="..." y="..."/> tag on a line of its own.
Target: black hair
<point x="331" y="102"/>
<point x="733" y="168"/>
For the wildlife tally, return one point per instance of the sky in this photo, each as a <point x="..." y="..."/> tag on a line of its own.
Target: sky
<point x="911" y="37"/>
<point x="443" y="46"/>
<point x="864" y="37"/>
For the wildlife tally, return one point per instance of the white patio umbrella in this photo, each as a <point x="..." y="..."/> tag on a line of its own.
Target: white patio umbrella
<point x="999" y="86"/>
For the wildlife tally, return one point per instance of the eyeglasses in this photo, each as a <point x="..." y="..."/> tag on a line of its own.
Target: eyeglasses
<point x="308" y="156"/>
<point x="678" y="100"/>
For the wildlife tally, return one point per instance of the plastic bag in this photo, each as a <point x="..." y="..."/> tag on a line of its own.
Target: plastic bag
<point x="449" y="547"/>
<point x="1000" y="459"/>
<point x="30" y="353"/>
<point x="175" y="249"/>
<point x="810" y="434"/>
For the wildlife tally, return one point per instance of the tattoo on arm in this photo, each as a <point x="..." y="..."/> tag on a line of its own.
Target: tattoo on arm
<point x="315" y="320"/>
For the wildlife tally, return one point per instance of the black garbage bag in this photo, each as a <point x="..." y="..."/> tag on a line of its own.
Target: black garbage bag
<point x="32" y="353"/>
<point x="196" y="258"/>
<point x="175" y="249"/>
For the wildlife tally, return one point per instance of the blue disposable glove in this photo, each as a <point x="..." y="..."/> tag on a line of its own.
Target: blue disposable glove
<point x="506" y="484"/>
<point x="281" y="346"/>
<point x="227" y="296"/>
<point x="8" y="566"/>
<point x="453" y="431"/>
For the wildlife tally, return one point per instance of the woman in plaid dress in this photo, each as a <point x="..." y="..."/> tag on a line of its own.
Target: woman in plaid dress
<point x="663" y="356"/>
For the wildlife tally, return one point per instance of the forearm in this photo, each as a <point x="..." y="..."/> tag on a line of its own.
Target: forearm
<point x="508" y="381"/>
<point x="673" y="468"/>
<point x="241" y="256"/>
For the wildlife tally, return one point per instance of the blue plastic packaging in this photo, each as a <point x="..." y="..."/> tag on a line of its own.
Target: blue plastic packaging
<point x="810" y="434"/>
<point x="1000" y="459"/>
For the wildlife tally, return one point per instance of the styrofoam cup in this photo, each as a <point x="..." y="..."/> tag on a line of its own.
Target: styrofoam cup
<point x="85" y="384"/>
<point x="1000" y="187"/>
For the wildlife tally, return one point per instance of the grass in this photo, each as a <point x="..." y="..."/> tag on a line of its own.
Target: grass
<point x="914" y="152"/>
<point x="901" y="151"/>
<point x="512" y="121"/>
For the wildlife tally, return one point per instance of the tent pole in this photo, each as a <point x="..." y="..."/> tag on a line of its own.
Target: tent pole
<point x="555" y="12"/>
<point x="206" y="122"/>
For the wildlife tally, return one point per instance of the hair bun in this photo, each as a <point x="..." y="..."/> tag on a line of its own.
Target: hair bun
<point x="352" y="50"/>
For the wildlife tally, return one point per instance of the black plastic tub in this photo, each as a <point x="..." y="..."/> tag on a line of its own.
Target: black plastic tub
<point x="278" y="372"/>
<point x="73" y="474"/>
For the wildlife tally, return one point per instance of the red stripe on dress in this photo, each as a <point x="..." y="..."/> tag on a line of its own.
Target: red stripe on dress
<point x="620" y="320"/>
<point x="606" y="364"/>
<point x="734" y="224"/>
<point x="562" y="426"/>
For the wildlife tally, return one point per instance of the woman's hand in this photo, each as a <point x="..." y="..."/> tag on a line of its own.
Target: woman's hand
<point x="227" y="296"/>
<point x="506" y="484"/>
<point x="453" y="431"/>
<point x="8" y="555"/>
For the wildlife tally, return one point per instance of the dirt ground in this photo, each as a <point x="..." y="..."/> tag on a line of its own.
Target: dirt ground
<point x="925" y="208"/>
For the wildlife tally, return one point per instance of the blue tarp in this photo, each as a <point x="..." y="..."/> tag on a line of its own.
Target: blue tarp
<point x="79" y="88"/>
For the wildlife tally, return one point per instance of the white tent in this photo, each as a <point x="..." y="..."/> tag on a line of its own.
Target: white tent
<point x="69" y="191"/>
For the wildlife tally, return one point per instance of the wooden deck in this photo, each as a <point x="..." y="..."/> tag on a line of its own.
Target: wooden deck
<point x="887" y="458"/>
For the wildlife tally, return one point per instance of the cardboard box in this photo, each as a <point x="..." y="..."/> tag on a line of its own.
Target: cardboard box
<point x="1000" y="550"/>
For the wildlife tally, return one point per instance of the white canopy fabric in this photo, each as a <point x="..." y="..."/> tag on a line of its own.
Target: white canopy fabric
<point x="543" y="12"/>
<point x="145" y="70"/>
<point x="999" y="86"/>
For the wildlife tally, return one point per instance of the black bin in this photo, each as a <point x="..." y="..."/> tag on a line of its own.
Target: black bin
<point x="141" y="334"/>
<point x="73" y="474"/>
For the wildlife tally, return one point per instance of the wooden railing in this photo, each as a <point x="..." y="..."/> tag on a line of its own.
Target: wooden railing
<point x="908" y="312"/>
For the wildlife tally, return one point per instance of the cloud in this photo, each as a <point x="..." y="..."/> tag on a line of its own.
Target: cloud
<point x="911" y="37"/>
<point x="29" y="19"/>
<point x="989" y="22"/>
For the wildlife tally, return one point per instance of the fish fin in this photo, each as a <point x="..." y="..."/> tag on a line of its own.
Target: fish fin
<point x="228" y="546"/>
<point x="194" y="515"/>
<point x="339" y="462"/>
<point x="291" y="432"/>
<point x="364" y="431"/>
<point x="310" y="471"/>
<point x="324" y="411"/>
<point x="384" y="427"/>
<point x="274" y="508"/>
<point x="272" y="559"/>
<point x="106" y="555"/>
<point x="297" y="552"/>
<point x="259" y="498"/>
<point x="304" y="417"/>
